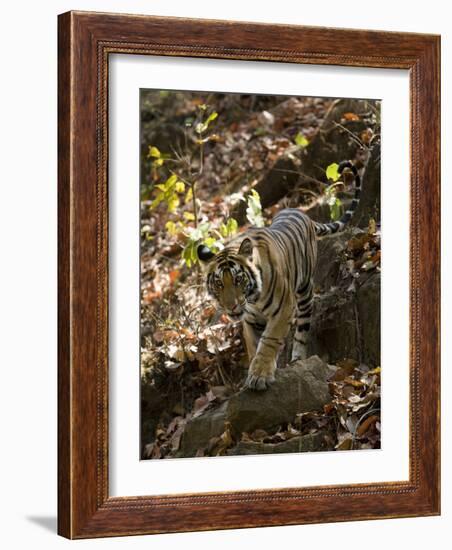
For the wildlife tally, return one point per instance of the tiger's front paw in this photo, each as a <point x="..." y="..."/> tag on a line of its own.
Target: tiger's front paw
<point x="260" y="375"/>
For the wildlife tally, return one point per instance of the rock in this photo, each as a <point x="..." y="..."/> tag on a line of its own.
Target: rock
<point x="369" y="206"/>
<point x="301" y="387"/>
<point x="369" y="309"/>
<point x="345" y="324"/>
<point x="319" y="211"/>
<point x="330" y="258"/>
<point x="298" y="444"/>
<point x="200" y="430"/>
<point x="346" y="317"/>
<point x="153" y="404"/>
<point x="334" y="331"/>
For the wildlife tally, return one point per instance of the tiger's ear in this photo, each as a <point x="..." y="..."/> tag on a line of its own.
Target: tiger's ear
<point x="204" y="253"/>
<point x="246" y="247"/>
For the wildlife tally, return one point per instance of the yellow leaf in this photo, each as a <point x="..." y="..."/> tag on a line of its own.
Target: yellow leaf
<point x="173" y="203"/>
<point x="171" y="181"/>
<point x="180" y="186"/>
<point x="189" y="195"/>
<point x="211" y="117"/>
<point x="353" y="382"/>
<point x="345" y="442"/>
<point x="332" y="172"/>
<point x="210" y="242"/>
<point x="158" y="199"/>
<point x="171" y="228"/>
<point x="372" y="228"/>
<point x="301" y="140"/>
<point x="154" y="152"/>
<point x="189" y="216"/>
<point x="377" y="370"/>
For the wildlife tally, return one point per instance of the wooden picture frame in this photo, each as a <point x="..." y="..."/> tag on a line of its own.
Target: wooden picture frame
<point x="85" y="42"/>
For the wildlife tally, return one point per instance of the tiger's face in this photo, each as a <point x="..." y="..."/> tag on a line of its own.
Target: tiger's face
<point x="232" y="278"/>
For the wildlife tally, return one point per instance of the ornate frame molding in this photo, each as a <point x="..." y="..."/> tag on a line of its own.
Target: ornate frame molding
<point x="85" y="42"/>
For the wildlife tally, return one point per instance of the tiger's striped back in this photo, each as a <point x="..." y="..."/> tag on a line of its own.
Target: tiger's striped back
<point x="295" y="235"/>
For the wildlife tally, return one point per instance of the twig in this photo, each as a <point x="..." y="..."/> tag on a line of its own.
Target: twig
<point x="373" y="108"/>
<point x="195" y="206"/>
<point x="302" y="174"/>
<point x="354" y="136"/>
<point x="327" y="114"/>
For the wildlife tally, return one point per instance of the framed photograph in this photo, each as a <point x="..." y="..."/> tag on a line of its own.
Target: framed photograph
<point x="248" y="275"/>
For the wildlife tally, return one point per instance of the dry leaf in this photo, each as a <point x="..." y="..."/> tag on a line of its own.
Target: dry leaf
<point x="345" y="442"/>
<point x="366" y="424"/>
<point x="350" y="117"/>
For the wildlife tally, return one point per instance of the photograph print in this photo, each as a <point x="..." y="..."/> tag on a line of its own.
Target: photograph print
<point x="260" y="243"/>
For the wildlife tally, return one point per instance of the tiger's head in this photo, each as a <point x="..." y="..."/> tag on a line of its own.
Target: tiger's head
<point x="233" y="278"/>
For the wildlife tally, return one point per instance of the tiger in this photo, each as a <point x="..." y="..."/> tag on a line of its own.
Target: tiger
<point x="264" y="277"/>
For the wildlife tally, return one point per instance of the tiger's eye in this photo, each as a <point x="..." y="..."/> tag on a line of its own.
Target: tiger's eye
<point x="218" y="284"/>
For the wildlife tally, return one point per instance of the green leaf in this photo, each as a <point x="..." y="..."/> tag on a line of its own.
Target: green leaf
<point x="200" y="232"/>
<point x="187" y="254"/>
<point x="214" y="244"/>
<point x="210" y="242"/>
<point x="332" y="172"/>
<point x="211" y="118"/>
<point x="190" y="254"/>
<point x="254" y="210"/>
<point x="229" y="228"/>
<point x="260" y="131"/>
<point x="154" y="152"/>
<point x="336" y="209"/>
<point x="301" y="140"/>
<point x="200" y="128"/>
